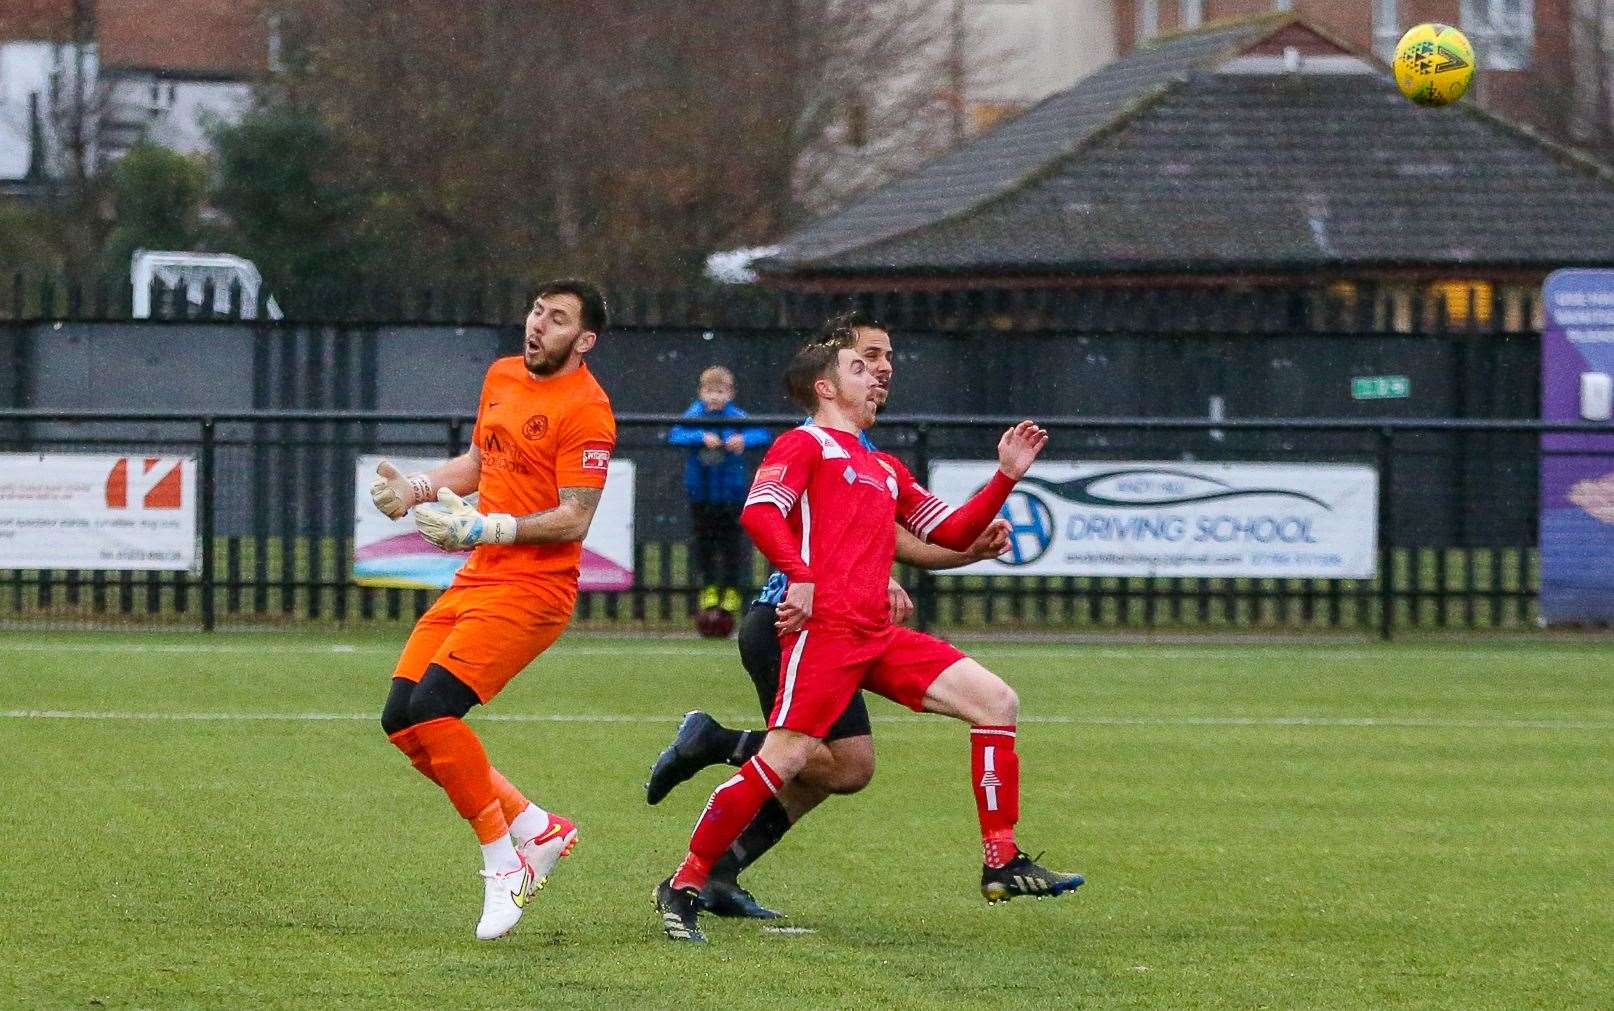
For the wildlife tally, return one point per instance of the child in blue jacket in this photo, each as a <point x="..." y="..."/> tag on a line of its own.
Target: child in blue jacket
<point x="717" y="480"/>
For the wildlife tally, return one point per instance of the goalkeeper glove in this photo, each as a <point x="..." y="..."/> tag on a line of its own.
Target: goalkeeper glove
<point x="393" y="493"/>
<point x="454" y="525"/>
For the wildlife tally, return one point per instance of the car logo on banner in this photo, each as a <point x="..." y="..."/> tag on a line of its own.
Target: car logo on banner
<point x="1031" y="527"/>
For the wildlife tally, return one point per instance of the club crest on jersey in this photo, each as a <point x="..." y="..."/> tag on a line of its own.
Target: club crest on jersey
<point x="853" y="477"/>
<point x="597" y="459"/>
<point x="536" y="426"/>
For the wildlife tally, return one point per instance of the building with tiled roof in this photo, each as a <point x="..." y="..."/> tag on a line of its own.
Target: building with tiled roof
<point x="1538" y="59"/>
<point x="188" y="38"/>
<point x="1261" y="152"/>
<point x="155" y="69"/>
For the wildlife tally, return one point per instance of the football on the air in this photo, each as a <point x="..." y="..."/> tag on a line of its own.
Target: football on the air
<point x="1434" y="64"/>
<point x="714" y="623"/>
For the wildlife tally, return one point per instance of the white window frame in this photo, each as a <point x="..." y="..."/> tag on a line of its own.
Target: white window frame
<point x="1502" y="31"/>
<point x="276" y="42"/>
<point x="1386" y="29"/>
<point x="1148" y="25"/>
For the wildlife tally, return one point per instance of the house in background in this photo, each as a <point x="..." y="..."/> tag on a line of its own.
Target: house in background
<point x="83" y="81"/>
<point x="1025" y="50"/>
<point x="1251" y="157"/>
<point x="172" y="65"/>
<point x="1536" y="64"/>
<point x="976" y="63"/>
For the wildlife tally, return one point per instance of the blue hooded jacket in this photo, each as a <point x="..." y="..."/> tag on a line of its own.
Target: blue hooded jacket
<point x="725" y="479"/>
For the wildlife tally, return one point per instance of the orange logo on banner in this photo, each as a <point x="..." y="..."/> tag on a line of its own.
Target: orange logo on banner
<point x="162" y="492"/>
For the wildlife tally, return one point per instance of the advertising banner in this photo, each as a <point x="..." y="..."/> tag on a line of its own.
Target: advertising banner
<point x="392" y="553"/>
<point x="1180" y="519"/>
<point x="1577" y="471"/>
<point x="92" y="511"/>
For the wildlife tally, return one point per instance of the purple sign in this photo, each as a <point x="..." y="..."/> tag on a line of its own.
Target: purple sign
<point x="1577" y="471"/>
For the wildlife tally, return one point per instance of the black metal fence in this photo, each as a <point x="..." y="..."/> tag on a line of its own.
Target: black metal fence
<point x="277" y="505"/>
<point x="221" y="367"/>
<point x="1300" y="304"/>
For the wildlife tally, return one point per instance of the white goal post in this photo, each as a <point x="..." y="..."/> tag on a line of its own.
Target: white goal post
<point x="170" y="267"/>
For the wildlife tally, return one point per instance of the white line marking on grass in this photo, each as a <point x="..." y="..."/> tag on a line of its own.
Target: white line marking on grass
<point x="1393" y="722"/>
<point x="789" y="930"/>
<point x="1073" y="651"/>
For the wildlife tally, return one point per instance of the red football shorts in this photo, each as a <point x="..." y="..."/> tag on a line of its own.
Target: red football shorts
<point x="821" y="669"/>
<point x="483" y="635"/>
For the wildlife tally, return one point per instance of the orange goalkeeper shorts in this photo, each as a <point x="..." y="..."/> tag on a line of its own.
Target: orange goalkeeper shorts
<point x="483" y="635"/>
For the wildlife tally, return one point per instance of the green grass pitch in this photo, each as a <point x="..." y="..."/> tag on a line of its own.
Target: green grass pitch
<point x="217" y="821"/>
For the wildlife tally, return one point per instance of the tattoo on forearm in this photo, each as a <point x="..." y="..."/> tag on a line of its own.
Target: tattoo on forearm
<point x="588" y="498"/>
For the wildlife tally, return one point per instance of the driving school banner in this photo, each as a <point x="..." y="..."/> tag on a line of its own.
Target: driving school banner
<point x="92" y="511"/>
<point x="392" y="553"/>
<point x="1180" y="519"/>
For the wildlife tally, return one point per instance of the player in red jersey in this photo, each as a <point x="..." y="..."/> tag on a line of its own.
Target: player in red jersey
<point x="844" y="764"/>
<point x="539" y="457"/>
<point x="821" y="509"/>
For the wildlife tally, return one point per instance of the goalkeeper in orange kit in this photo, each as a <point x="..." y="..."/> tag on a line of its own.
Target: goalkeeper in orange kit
<point x="538" y="456"/>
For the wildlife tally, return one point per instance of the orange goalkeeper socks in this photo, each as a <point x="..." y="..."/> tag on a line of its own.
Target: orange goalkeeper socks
<point x="406" y="742"/>
<point x="461" y="768"/>
<point x="510" y="799"/>
<point x="512" y="804"/>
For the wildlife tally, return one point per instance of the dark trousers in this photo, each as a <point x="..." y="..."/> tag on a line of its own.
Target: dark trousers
<point x="718" y="543"/>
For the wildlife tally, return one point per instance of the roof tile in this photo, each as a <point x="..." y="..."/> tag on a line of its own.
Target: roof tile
<point x="1004" y="157"/>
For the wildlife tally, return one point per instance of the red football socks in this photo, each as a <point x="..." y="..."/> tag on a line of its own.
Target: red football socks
<point x="460" y="766"/>
<point x="728" y="812"/>
<point x="995" y="776"/>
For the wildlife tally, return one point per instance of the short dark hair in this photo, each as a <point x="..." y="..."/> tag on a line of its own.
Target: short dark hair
<point x="595" y="315"/>
<point x="841" y="326"/>
<point x="811" y="363"/>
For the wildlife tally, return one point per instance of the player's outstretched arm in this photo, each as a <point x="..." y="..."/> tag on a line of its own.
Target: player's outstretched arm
<point x="992" y="542"/>
<point x="958" y="529"/>
<point x="395" y="493"/>
<point x="1019" y="448"/>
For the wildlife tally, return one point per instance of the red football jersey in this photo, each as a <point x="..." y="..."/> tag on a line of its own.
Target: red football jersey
<point x="842" y="501"/>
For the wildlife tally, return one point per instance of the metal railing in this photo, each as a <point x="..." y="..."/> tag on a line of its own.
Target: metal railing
<point x="1456" y="524"/>
<point x="1300" y="305"/>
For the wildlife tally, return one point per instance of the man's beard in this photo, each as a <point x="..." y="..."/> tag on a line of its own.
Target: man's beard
<point x="550" y="362"/>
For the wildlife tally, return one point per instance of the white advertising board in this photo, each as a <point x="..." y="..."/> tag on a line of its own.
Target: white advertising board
<point x="1180" y="519"/>
<point x="390" y="552"/>
<point x="93" y="511"/>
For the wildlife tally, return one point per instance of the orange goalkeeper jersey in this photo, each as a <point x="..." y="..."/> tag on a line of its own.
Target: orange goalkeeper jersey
<point x="536" y="436"/>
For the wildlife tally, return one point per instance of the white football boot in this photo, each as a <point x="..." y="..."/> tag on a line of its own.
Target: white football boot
<point x="543" y="850"/>
<point x="504" y="897"/>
